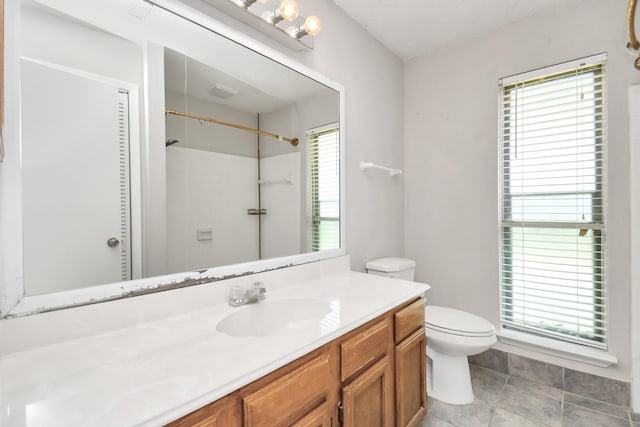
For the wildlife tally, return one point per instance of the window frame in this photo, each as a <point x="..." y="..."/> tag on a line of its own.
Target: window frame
<point x="597" y="223"/>
<point x="315" y="218"/>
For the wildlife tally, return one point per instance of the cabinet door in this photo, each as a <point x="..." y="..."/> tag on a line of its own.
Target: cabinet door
<point x="368" y="399"/>
<point x="411" y="393"/>
<point x="319" y="417"/>
<point x="294" y="396"/>
<point x="225" y="412"/>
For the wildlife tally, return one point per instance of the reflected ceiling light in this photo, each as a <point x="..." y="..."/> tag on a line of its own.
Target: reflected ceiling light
<point x="288" y="11"/>
<point x="222" y="91"/>
<point x="312" y="26"/>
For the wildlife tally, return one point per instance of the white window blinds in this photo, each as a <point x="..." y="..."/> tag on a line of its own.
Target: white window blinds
<point x="553" y="212"/>
<point x="324" y="161"/>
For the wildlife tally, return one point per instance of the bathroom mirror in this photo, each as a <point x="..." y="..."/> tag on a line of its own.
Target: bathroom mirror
<point x="155" y="158"/>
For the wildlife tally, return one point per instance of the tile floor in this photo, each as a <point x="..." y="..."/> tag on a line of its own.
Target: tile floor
<point x="507" y="401"/>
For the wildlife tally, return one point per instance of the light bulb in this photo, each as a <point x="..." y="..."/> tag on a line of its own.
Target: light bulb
<point x="289" y="9"/>
<point x="312" y="25"/>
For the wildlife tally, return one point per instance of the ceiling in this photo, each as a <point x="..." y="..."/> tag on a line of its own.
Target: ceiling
<point x="273" y="88"/>
<point x="411" y="28"/>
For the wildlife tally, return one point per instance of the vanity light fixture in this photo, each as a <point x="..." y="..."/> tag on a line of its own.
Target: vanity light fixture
<point x="312" y="26"/>
<point x="247" y="3"/>
<point x="278" y="19"/>
<point x="288" y="11"/>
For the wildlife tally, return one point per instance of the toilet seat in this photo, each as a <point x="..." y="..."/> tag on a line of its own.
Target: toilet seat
<point x="456" y="322"/>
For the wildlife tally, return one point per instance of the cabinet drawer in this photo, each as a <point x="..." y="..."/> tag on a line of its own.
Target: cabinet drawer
<point x="365" y="348"/>
<point x="409" y="319"/>
<point x="292" y="396"/>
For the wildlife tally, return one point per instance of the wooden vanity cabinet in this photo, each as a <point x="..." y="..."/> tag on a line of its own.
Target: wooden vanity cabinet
<point x="372" y="376"/>
<point x="225" y="412"/>
<point x="368" y="399"/>
<point x="322" y="416"/>
<point x="304" y="395"/>
<point x="410" y="365"/>
<point x="367" y="375"/>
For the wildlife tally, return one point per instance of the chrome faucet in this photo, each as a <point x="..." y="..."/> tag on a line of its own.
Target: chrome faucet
<point x="239" y="296"/>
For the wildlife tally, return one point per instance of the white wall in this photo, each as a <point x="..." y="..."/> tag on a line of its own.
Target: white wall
<point x="634" y="138"/>
<point x="451" y="192"/>
<point x="62" y="41"/>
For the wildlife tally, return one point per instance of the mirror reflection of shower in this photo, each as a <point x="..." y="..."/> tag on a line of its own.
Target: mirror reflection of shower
<point x="234" y="190"/>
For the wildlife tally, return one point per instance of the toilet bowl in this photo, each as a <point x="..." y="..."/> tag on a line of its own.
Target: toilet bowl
<point x="452" y="335"/>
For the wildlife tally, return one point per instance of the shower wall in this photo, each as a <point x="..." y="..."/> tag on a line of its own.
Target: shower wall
<point x="212" y="179"/>
<point x="207" y="221"/>
<point x="201" y="200"/>
<point x="210" y="136"/>
<point x="281" y="224"/>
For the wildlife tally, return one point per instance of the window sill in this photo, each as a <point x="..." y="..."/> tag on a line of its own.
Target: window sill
<point x="556" y="348"/>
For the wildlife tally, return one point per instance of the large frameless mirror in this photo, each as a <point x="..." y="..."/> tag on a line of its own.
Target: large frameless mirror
<point x="157" y="153"/>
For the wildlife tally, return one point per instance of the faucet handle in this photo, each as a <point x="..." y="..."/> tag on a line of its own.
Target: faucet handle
<point x="236" y="296"/>
<point x="259" y="286"/>
<point x="239" y="296"/>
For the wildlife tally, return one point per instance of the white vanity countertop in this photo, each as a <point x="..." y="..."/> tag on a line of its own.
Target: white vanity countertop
<point x="155" y="372"/>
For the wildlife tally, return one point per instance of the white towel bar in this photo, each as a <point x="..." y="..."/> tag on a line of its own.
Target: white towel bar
<point x="368" y="165"/>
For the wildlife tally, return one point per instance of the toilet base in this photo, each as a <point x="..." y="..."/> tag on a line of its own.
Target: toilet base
<point x="448" y="378"/>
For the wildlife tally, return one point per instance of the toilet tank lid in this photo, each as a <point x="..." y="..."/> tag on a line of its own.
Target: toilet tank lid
<point x="390" y="264"/>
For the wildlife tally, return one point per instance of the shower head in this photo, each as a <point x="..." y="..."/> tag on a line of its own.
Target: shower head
<point x="170" y="142"/>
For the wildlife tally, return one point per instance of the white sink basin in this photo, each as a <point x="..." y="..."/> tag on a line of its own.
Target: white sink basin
<point x="274" y="317"/>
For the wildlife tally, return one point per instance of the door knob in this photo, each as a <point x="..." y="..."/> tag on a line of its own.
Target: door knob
<point x="113" y="242"/>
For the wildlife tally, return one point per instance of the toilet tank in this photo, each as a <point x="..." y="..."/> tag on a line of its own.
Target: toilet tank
<point x="400" y="268"/>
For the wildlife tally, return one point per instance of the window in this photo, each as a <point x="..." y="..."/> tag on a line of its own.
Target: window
<point x="324" y="161"/>
<point x="552" y="163"/>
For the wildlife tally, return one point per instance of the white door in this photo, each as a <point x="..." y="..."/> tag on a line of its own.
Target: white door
<point x="75" y="152"/>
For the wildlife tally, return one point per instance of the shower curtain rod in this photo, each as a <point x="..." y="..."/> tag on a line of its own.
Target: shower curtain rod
<point x="631" y="29"/>
<point x="292" y="141"/>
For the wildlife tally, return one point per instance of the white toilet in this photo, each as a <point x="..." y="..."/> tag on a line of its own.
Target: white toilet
<point x="452" y="335"/>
